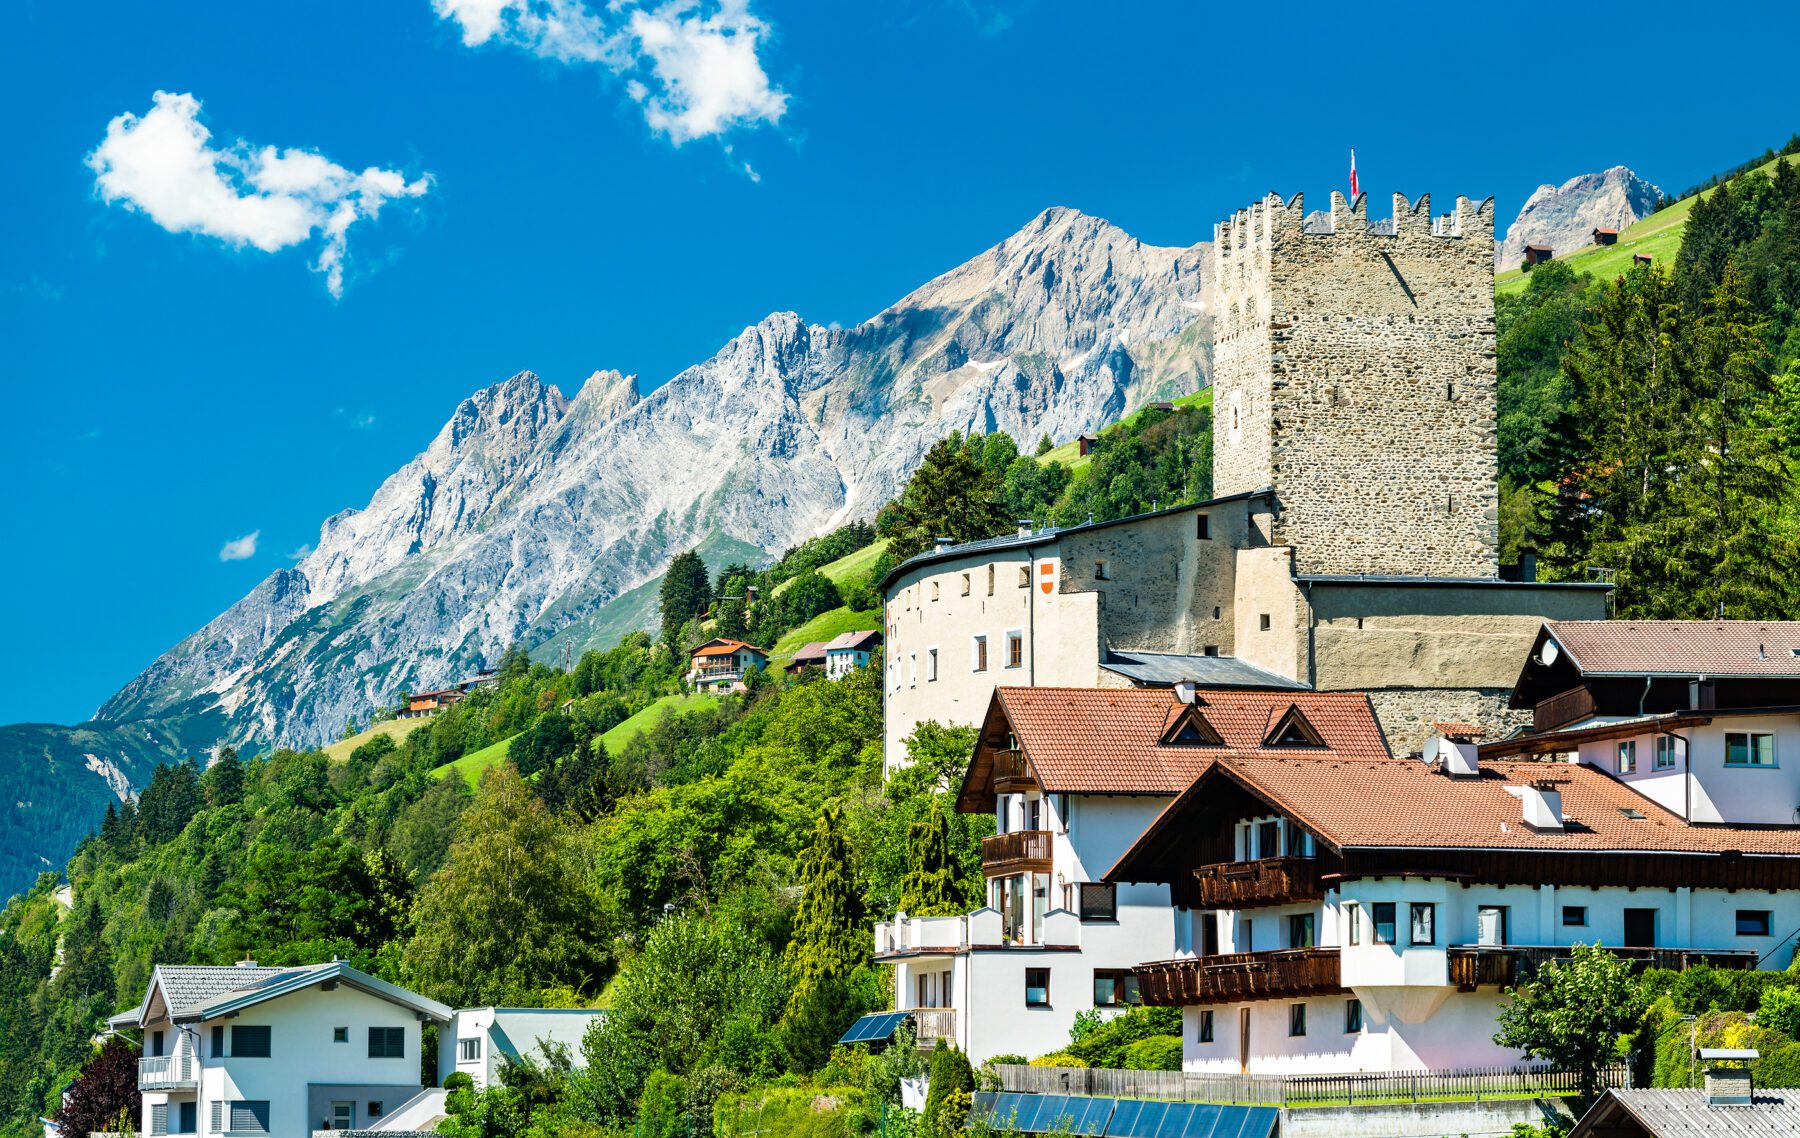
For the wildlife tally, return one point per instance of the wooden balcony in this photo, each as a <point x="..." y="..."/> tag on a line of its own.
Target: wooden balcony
<point x="1239" y="976"/>
<point x="1266" y="881"/>
<point x="1022" y="851"/>
<point x="933" y="1024"/>
<point x="1011" y="775"/>
<point x="1473" y="966"/>
<point x="1569" y="707"/>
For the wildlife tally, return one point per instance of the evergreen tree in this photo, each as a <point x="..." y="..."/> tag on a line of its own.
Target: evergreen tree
<point x="1045" y="446"/>
<point x="684" y="593"/>
<point x="829" y="938"/>
<point x="224" y="779"/>
<point x="952" y="1084"/>
<point x="952" y="494"/>
<point x="931" y="887"/>
<point x="515" y="662"/>
<point x="169" y="802"/>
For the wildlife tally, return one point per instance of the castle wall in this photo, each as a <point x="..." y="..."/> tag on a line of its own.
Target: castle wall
<point x="1355" y="375"/>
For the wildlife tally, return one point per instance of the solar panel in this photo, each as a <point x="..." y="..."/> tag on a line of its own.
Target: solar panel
<point x="1137" y="1118"/>
<point x="1244" y="1122"/>
<point x="873" y="1027"/>
<point x="1093" y="1121"/>
<point x="1006" y="1110"/>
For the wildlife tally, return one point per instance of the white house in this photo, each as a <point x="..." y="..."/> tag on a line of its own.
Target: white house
<point x="1073" y="776"/>
<point x="1365" y="914"/>
<point x="849" y="651"/>
<point x="250" y="1050"/>
<point x="720" y="665"/>
<point x="479" y="1041"/>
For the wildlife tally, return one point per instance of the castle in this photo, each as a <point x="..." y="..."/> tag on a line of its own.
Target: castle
<point x="1353" y="542"/>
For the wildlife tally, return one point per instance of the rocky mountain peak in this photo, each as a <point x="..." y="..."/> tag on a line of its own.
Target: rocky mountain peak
<point x="1564" y="217"/>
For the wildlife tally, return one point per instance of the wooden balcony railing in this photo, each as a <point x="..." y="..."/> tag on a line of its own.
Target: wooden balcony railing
<point x="1011" y="775"/>
<point x="1266" y="881"/>
<point x="1022" y="851"/>
<point x="1473" y="966"/>
<point x="1570" y="706"/>
<point x="933" y="1024"/>
<point x="1237" y="976"/>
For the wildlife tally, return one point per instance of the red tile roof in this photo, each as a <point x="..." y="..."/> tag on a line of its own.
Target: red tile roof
<point x="1681" y="647"/>
<point x="723" y="647"/>
<point x="1108" y="741"/>
<point x="1407" y="803"/>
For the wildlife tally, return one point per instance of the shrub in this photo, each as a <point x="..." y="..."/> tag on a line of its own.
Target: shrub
<point x="1780" y="1067"/>
<point x="1059" y="1059"/>
<point x="952" y="1079"/>
<point x="1700" y="989"/>
<point x="1009" y="1060"/>
<point x="458" y="1081"/>
<point x="1104" y="1045"/>
<point x="1157" y="1053"/>
<point x="1780" y="1011"/>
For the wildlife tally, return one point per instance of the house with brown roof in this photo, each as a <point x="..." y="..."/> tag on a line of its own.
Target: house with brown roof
<point x="1702" y="717"/>
<point x="810" y="655"/>
<point x="1606" y="236"/>
<point x="1366" y="913"/>
<point x="1072" y="777"/>
<point x="720" y="665"/>
<point x="1538" y="254"/>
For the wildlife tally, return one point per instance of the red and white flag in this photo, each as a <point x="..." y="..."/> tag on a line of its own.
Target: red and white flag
<point x="1353" y="187"/>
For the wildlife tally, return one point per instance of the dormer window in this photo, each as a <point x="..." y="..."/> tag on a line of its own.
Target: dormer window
<point x="1294" y="730"/>
<point x="1189" y="728"/>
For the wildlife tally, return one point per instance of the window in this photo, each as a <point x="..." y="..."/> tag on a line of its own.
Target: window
<point x="1749" y="749"/>
<point x="1301" y="930"/>
<point x="1665" y="752"/>
<point x="218" y="1041"/>
<point x="375" y="1109"/>
<point x="1753" y="922"/>
<point x="1263" y="622"/>
<point x="1424" y="923"/>
<point x="250" y="1115"/>
<point x="156" y="1043"/>
<point x="931" y="665"/>
<point x="1296" y="1020"/>
<point x="159" y="1118"/>
<point x="1491" y="925"/>
<point x="1574" y="916"/>
<point x="934" y="590"/>
<point x="1202" y="527"/>
<point x="1099" y="901"/>
<point x="1015" y="649"/>
<point x="1627" y="756"/>
<point x="990" y="580"/>
<point x="1248" y="928"/>
<point x="1024" y="576"/>
<point x="1352" y="923"/>
<point x="340" y="1035"/>
<point x="249" y="1042"/>
<point x="912" y="672"/>
<point x="1210" y="650"/>
<point x="1352" y="1016"/>
<point x="1206" y="1026"/>
<point x="980" y="658"/>
<point x="965" y="583"/>
<point x="1100" y="573"/>
<point x="1037" y="987"/>
<point x="1115" y="987"/>
<point x="469" y="1050"/>
<point x="1382" y="913"/>
<point x="1268" y="839"/>
<point x="387" y="1043"/>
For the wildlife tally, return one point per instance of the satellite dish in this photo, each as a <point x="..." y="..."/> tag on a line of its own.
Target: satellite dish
<point x="1548" y="655"/>
<point x="1432" y="745"/>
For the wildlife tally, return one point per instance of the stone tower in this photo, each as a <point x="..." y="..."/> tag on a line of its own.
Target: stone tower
<point x="1353" y="372"/>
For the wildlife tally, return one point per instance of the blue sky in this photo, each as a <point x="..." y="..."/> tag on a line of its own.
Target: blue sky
<point x="565" y="188"/>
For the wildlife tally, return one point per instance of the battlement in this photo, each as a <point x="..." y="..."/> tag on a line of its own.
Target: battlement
<point x="1258" y="225"/>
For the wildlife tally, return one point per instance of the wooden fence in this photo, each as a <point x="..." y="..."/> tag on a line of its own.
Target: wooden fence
<point x="1300" y="1090"/>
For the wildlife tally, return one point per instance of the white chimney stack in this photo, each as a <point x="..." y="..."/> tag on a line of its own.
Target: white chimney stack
<point x="1543" y="805"/>
<point x="1184" y="691"/>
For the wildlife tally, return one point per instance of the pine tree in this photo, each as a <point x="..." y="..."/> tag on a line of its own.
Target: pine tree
<point x="224" y="779"/>
<point x="514" y="662"/>
<point x="830" y="940"/>
<point x="685" y="591"/>
<point x="930" y="887"/>
<point x="1045" y="446"/>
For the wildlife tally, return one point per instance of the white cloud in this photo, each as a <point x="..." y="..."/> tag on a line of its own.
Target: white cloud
<point x="302" y="553"/>
<point x="164" y="165"/>
<point x="240" y="548"/>
<point x="695" y="66"/>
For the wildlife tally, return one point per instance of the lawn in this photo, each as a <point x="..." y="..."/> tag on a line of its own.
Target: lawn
<point x="1069" y="453"/>
<point x="651" y="716"/>
<point x="395" y="729"/>
<point x="472" y="764"/>
<point x="1658" y="235"/>
<point x="848" y="567"/>
<point x="825" y="626"/>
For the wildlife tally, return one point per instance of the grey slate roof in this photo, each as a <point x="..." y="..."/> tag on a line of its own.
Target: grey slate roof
<point x="1159" y="669"/>
<point x="189" y="987"/>
<point x="1685" y="1114"/>
<point x="203" y="991"/>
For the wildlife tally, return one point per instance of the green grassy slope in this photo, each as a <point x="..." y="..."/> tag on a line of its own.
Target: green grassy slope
<point x="395" y="729"/>
<point x="825" y="626"/>
<point x="1069" y="453"/>
<point x="472" y="764"/>
<point x="846" y="568"/>
<point x="652" y="715"/>
<point x="1658" y="235"/>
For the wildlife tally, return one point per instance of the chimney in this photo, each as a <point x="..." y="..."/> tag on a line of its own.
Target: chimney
<point x="1025" y="525"/>
<point x="1543" y="805"/>
<point x="1700" y="694"/>
<point x="1728" y="1086"/>
<point x="1527" y="564"/>
<point x="944" y="543"/>
<point x="1184" y="691"/>
<point x="247" y="962"/>
<point x="1461" y="760"/>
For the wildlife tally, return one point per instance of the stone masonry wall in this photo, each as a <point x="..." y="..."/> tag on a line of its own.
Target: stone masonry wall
<point x="1406" y="714"/>
<point x="1354" y="369"/>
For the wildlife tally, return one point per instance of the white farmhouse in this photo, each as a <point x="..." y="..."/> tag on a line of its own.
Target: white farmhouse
<point x="850" y="651"/>
<point x="250" y="1050"/>
<point x="1072" y="778"/>
<point x="1365" y="915"/>
<point x="479" y="1041"/>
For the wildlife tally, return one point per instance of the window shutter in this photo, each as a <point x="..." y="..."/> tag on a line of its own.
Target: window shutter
<point x="387" y="1043"/>
<point x="159" y="1118"/>
<point x="250" y="1115"/>
<point x="249" y="1041"/>
<point x="217" y="1117"/>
